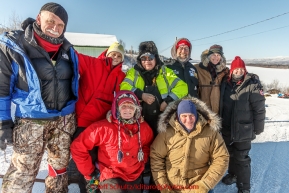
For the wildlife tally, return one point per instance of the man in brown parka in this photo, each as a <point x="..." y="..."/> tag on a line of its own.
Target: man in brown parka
<point x="189" y="154"/>
<point x="212" y="71"/>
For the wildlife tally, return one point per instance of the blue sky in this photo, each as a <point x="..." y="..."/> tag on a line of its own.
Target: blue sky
<point x="134" y="21"/>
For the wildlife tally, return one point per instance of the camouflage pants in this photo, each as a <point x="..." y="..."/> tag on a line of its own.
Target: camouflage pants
<point x="30" y="138"/>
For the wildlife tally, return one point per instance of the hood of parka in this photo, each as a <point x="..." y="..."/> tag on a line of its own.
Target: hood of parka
<point x="174" y="50"/>
<point x="205" y="60"/>
<point x="205" y="115"/>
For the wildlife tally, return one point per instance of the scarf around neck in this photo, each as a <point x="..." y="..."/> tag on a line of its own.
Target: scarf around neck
<point x="47" y="46"/>
<point x="52" y="40"/>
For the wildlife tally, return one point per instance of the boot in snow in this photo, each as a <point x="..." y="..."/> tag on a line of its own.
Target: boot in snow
<point x="243" y="191"/>
<point x="229" y="179"/>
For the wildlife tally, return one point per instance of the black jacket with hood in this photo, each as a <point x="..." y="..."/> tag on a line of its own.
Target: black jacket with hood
<point x="186" y="71"/>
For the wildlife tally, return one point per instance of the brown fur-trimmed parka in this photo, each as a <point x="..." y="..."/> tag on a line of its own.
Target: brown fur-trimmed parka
<point x="199" y="158"/>
<point x="209" y="89"/>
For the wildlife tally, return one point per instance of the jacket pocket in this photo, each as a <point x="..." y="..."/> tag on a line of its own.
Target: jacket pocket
<point x="28" y="137"/>
<point x="243" y="132"/>
<point x="97" y="107"/>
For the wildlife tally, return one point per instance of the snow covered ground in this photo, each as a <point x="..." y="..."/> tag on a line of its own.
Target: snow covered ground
<point x="270" y="150"/>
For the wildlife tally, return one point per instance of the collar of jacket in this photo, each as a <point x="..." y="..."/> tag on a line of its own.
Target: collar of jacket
<point x="29" y="37"/>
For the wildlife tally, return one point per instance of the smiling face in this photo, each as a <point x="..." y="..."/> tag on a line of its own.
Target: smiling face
<point x="148" y="62"/>
<point x="116" y="57"/>
<point x="50" y="24"/>
<point x="183" y="52"/>
<point x="215" y="58"/>
<point x="188" y="120"/>
<point x="127" y="110"/>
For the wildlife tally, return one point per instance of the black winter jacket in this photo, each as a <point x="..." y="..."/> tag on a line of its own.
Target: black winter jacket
<point x="246" y="109"/>
<point x="187" y="73"/>
<point x="55" y="79"/>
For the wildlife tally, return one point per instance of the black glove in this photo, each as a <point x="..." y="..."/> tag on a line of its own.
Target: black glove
<point x="92" y="184"/>
<point x="257" y="132"/>
<point x="5" y="137"/>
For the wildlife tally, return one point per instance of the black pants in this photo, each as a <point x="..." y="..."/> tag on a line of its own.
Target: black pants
<point x="118" y="185"/>
<point x="92" y="153"/>
<point x="148" y="180"/>
<point x="240" y="161"/>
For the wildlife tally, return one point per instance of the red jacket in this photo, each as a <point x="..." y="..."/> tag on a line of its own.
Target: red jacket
<point x="104" y="134"/>
<point x="97" y="85"/>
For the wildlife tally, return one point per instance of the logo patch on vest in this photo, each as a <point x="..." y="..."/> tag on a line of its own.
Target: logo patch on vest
<point x="192" y="72"/>
<point x="176" y="72"/>
<point x="261" y="92"/>
<point x="65" y="56"/>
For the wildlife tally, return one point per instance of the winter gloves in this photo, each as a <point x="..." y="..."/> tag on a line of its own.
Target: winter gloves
<point x="200" y="187"/>
<point x="93" y="182"/>
<point x="5" y="137"/>
<point x="258" y="132"/>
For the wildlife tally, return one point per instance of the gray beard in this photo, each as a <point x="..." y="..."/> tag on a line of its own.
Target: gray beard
<point x="182" y="60"/>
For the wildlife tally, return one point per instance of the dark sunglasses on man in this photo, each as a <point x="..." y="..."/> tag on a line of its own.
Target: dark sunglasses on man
<point x="147" y="57"/>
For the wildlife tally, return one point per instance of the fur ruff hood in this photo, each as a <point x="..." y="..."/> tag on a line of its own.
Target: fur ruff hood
<point x="205" y="60"/>
<point x="174" y="49"/>
<point x="205" y="115"/>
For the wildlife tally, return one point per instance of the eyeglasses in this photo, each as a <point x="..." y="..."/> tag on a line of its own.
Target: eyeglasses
<point x="147" y="58"/>
<point x="185" y="48"/>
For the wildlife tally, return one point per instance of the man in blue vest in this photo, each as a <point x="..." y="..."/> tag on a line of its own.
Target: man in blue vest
<point x="39" y="74"/>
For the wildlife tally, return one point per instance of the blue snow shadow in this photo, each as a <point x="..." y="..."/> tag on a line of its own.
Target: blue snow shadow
<point x="270" y="169"/>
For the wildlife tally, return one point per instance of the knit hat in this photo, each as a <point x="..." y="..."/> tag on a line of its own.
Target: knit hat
<point x="121" y="97"/>
<point x="187" y="106"/>
<point x="116" y="47"/>
<point x="125" y="100"/>
<point x="57" y="10"/>
<point x="237" y="63"/>
<point x="216" y="49"/>
<point x="125" y="96"/>
<point x="149" y="47"/>
<point x="182" y="43"/>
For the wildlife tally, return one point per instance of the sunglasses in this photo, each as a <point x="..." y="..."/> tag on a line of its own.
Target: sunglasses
<point x="147" y="58"/>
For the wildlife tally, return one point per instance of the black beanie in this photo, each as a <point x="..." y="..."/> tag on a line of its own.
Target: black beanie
<point x="57" y="10"/>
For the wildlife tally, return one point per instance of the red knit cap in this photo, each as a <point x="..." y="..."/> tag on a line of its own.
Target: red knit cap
<point x="182" y="43"/>
<point x="237" y="63"/>
<point x="125" y="100"/>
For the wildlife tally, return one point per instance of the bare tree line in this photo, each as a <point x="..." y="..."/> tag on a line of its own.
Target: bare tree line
<point x="275" y="85"/>
<point x="14" y="23"/>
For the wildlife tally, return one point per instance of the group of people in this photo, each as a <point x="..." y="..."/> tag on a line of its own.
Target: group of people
<point x="183" y="124"/>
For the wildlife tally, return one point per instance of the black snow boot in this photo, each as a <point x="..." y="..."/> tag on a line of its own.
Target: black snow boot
<point x="229" y="179"/>
<point x="243" y="191"/>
